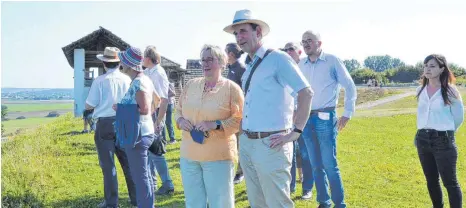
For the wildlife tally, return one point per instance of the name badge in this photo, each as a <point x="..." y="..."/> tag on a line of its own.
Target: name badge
<point x="324" y="115"/>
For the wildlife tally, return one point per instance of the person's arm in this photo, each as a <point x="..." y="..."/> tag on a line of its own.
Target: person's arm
<point x="181" y="122"/>
<point x="230" y="125"/>
<point x="161" y="85"/>
<point x="289" y="75"/>
<point x="345" y="80"/>
<point x="303" y="108"/>
<point x="162" y="110"/>
<point x="457" y="108"/>
<point x="143" y="101"/>
<point x="93" y="97"/>
<point x="155" y="102"/>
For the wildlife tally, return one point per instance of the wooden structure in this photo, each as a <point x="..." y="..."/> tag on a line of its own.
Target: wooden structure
<point x="81" y="56"/>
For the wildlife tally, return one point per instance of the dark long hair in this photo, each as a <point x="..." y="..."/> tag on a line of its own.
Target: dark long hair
<point x="446" y="78"/>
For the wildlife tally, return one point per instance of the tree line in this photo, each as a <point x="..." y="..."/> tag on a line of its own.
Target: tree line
<point x="388" y="69"/>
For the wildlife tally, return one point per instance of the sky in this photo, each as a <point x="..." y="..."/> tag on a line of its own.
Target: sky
<point x="33" y="33"/>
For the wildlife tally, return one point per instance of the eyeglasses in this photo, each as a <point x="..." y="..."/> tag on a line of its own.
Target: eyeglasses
<point x="307" y="42"/>
<point x="207" y="61"/>
<point x="288" y="49"/>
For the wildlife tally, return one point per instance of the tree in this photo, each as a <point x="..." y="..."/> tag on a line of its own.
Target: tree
<point x="404" y="74"/>
<point x="352" y="65"/>
<point x="382" y="63"/>
<point x="4" y="113"/>
<point x="456" y="69"/>
<point x="362" y="75"/>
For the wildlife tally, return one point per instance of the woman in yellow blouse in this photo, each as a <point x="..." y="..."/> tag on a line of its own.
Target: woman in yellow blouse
<point x="213" y="106"/>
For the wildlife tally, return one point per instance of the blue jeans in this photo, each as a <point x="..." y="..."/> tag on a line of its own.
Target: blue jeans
<point x="137" y="158"/>
<point x="169" y="123"/>
<point x="209" y="182"/>
<point x="308" y="177"/>
<point x="293" y="168"/>
<point x="159" y="164"/>
<point x="320" y="136"/>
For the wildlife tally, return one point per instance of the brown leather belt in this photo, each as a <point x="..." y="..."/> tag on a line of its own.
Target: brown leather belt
<point x="260" y="135"/>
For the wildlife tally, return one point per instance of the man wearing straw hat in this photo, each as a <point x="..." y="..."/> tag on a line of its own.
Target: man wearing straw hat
<point x="269" y="83"/>
<point x="106" y="90"/>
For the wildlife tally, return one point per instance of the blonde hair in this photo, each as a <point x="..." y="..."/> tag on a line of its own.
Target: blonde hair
<point x="217" y="52"/>
<point x="152" y="54"/>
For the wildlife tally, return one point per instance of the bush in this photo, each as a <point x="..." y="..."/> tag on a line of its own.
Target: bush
<point x="361" y="76"/>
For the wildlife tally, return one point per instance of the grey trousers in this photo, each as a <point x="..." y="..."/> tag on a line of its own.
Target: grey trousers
<point x="105" y="138"/>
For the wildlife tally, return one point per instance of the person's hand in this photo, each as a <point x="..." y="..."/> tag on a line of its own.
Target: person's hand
<point x="342" y="122"/>
<point x="184" y="124"/>
<point x="281" y="139"/>
<point x="158" y="126"/>
<point x="115" y="107"/>
<point x="206" y="125"/>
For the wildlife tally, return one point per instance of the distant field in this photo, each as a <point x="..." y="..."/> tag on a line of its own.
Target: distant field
<point x="31" y="107"/>
<point x="34" y="111"/>
<point x="30" y="123"/>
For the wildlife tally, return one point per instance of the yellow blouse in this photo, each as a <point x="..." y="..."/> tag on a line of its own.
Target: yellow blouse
<point x="225" y="103"/>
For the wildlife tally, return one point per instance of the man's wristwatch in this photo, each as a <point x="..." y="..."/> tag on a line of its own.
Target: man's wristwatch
<point x="298" y="130"/>
<point x="219" y="124"/>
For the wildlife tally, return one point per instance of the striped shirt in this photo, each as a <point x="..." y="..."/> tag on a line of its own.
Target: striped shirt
<point x="225" y="103"/>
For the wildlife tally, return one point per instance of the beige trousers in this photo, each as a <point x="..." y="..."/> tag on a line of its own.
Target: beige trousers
<point x="267" y="172"/>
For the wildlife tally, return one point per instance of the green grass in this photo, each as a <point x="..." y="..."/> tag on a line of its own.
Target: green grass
<point x="378" y="161"/>
<point x="31" y="107"/>
<point x="11" y="126"/>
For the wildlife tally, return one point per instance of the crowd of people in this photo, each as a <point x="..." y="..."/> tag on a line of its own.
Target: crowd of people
<point x="274" y="115"/>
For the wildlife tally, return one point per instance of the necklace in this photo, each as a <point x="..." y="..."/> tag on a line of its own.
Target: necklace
<point x="208" y="88"/>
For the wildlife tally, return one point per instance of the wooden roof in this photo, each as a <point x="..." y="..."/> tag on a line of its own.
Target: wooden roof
<point x="101" y="38"/>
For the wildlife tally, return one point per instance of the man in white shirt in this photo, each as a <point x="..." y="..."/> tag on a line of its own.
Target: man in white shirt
<point x="157" y="74"/>
<point x="267" y="125"/>
<point x="105" y="91"/>
<point x="328" y="74"/>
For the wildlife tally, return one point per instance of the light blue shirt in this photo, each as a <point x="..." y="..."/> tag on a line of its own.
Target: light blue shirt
<point x="269" y="102"/>
<point x="326" y="75"/>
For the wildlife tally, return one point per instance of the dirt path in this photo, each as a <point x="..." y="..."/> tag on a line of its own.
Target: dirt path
<point x="372" y="104"/>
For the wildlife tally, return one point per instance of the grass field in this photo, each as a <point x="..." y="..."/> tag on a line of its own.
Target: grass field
<point x="31" y="107"/>
<point x="378" y="161"/>
<point x="30" y="124"/>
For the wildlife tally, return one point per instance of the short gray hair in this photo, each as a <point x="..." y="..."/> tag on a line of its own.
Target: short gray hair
<point x="217" y="52"/>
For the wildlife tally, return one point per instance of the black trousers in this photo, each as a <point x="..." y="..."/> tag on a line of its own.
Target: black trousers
<point x="438" y="155"/>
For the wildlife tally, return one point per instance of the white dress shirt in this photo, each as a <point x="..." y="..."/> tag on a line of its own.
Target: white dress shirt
<point x="269" y="103"/>
<point x="432" y="113"/>
<point x="106" y="90"/>
<point x="326" y="75"/>
<point x="159" y="80"/>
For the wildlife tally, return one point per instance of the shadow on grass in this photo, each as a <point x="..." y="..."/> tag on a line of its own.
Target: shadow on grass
<point x="241" y="196"/>
<point x="28" y="199"/>
<point x="72" y="133"/>
<point x="85" y="201"/>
